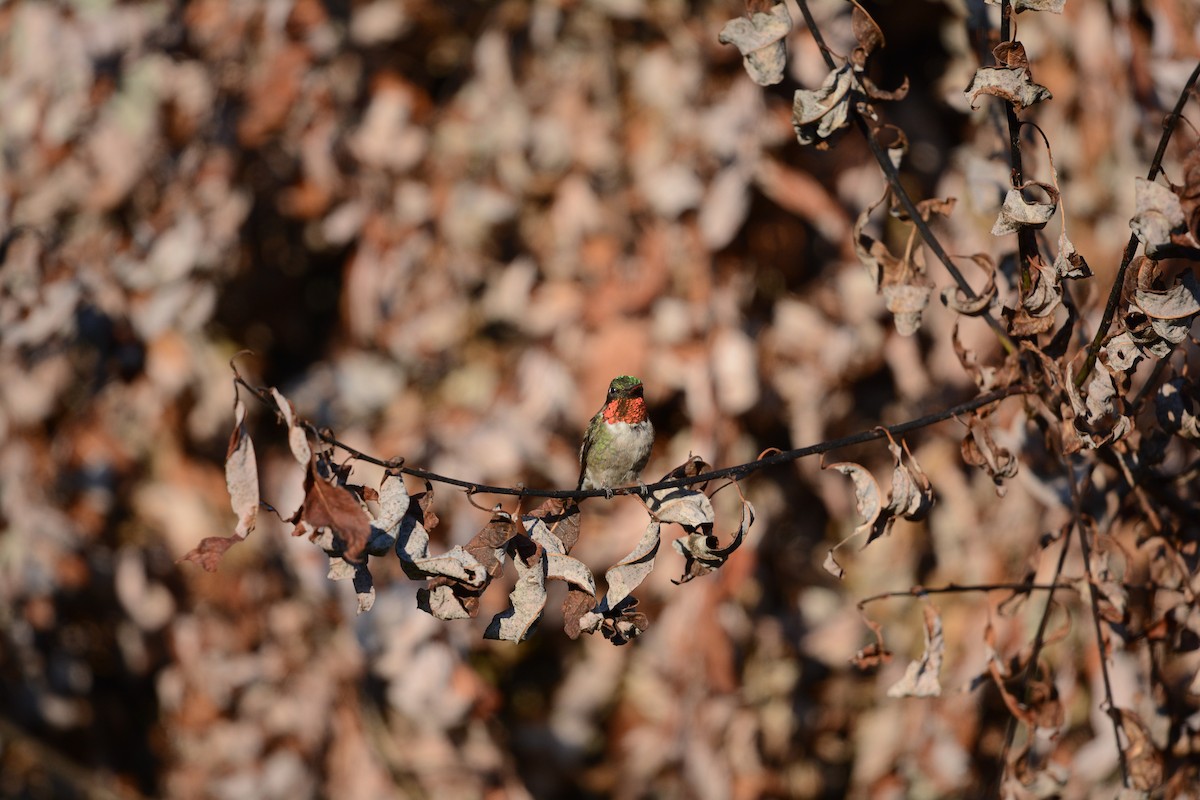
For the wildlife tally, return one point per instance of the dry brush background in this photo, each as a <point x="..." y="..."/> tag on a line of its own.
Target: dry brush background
<point x="442" y="227"/>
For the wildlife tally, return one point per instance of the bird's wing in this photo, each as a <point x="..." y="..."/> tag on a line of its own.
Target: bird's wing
<point x="584" y="447"/>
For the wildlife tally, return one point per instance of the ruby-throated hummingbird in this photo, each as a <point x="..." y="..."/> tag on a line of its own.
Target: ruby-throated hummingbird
<point x="618" y="439"/>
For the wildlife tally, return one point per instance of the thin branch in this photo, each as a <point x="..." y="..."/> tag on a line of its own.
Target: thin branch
<point x="954" y="588"/>
<point x="1027" y="249"/>
<point x="1086" y="548"/>
<point x="734" y="472"/>
<point x="1039" y="640"/>
<point x="892" y="175"/>
<point x="1114" y="294"/>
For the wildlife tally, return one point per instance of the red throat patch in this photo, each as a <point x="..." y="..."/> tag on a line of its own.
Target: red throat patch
<point x="629" y="409"/>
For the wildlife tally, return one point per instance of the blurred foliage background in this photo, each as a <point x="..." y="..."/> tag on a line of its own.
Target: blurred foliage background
<point x="442" y="227"/>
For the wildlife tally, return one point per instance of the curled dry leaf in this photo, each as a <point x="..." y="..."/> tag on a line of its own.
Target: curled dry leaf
<point x="458" y="576"/>
<point x="876" y="652"/>
<point x="556" y="537"/>
<point x="868" y="499"/>
<point x="1097" y="410"/>
<point x="528" y="596"/>
<point x="1158" y="216"/>
<point x="1014" y="85"/>
<point x="986" y="377"/>
<point x="1011" y="55"/>
<point x="364" y="585"/>
<point x="1180" y="302"/>
<point x="1121" y="352"/>
<point x="1069" y="263"/>
<point x="700" y="549"/>
<point x="761" y="41"/>
<point x="868" y="35"/>
<point x="900" y="281"/>
<point x="912" y="494"/>
<point x="1017" y="212"/>
<point x="921" y="677"/>
<point x="241" y="473"/>
<point x="329" y="504"/>
<point x="816" y="114"/>
<point x="1045" y="293"/>
<point x="393" y="505"/>
<point x="614" y="613"/>
<point x="956" y="300"/>
<point x="979" y="449"/>
<point x="297" y="435"/>
<point x="1021" y="323"/>
<point x="1142" y="755"/>
<point x="241" y="478"/>
<point x="907" y="302"/>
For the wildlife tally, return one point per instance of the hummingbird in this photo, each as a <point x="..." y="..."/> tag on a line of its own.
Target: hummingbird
<point x="618" y="440"/>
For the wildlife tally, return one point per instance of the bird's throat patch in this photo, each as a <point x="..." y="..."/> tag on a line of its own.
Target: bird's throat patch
<point x="626" y="409"/>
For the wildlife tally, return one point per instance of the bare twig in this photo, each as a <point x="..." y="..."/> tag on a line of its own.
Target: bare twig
<point x="735" y="472"/>
<point x="954" y="588"/>
<point x="1086" y="548"/>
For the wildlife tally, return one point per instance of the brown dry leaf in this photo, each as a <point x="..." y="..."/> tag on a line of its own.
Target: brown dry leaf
<point x="911" y="495"/>
<point x="364" y="586"/>
<point x="556" y="521"/>
<point x="816" y="114"/>
<point x="393" y="501"/>
<point x="562" y="521"/>
<point x="1142" y="755"/>
<point x="876" y="652"/>
<point x="866" y="33"/>
<point x="980" y="450"/>
<point x="241" y="473"/>
<point x="921" y="677"/>
<point x="761" y="40"/>
<point x="986" y="377"/>
<point x="1022" y="323"/>
<point x="700" y="547"/>
<point x="868" y="499"/>
<point x="241" y="479"/>
<point x="1158" y="216"/>
<point x="1011" y="55"/>
<point x="956" y="300"/>
<point x="528" y="596"/>
<point x="1180" y="302"/>
<point x="297" y="435"/>
<point x="907" y="302"/>
<point x="457" y="576"/>
<point x="1017" y="213"/>
<point x="1099" y="408"/>
<point x="208" y="553"/>
<point x="1121" y="352"/>
<point x="1045" y="293"/>
<point x="1068" y="263"/>
<point x="331" y="505"/>
<point x="1013" y="85"/>
<point x="614" y="616"/>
